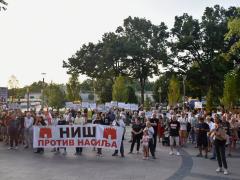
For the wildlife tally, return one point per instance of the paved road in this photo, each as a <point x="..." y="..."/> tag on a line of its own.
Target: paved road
<point x="23" y="165"/>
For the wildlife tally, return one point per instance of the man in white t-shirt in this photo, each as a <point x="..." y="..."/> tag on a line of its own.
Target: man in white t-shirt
<point x="183" y="129"/>
<point x="28" y="130"/>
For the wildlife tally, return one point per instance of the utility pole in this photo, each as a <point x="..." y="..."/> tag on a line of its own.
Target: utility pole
<point x="43" y="74"/>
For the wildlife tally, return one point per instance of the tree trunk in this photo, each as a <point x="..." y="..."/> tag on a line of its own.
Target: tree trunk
<point x="142" y="85"/>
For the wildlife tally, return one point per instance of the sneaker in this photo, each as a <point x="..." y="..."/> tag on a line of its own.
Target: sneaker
<point x="16" y="147"/>
<point x="25" y="147"/>
<point x="170" y="153"/>
<point x="225" y="172"/>
<point x="219" y="169"/>
<point x="178" y="154"/>
<point x="153" y="157"/>
<point x="199" y="155"/>
<point x="144" y="158"/>
<point x="10" y="148"/>
<point x="76" y="153"/>
<point x="114" y="154"/>
<point x="138" y="152"/>
<point x="130" y="152"/>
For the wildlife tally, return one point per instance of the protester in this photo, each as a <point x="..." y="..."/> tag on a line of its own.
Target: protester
<point x="154" y="123"/>
<point x="136" y="134"/>
<point x="62" y="121"/>
<point x="202" y="142"/>
<point x="100" y="121"/>
<point x="13" y="128"/>
<point x="174" y="127"/>
<point x="79" y="120"/>
<point x="145" y="143"/>
<point x="150" y="132"/>
<point x="28" y="130"/>
<point x="219" y="142"/>
<point x="183" y="129"/>
<point x="160" y="128"/>
<point x="234" y="127"/>
<point x="40" y="122"/>
<point x="120" y="123"/>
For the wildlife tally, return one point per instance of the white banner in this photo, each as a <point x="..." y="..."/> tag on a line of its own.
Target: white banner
<point x="198" y="105"/>
<point x="92" y="135"/>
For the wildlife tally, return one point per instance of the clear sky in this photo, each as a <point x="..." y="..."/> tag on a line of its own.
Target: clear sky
<point x="36" y="36"/>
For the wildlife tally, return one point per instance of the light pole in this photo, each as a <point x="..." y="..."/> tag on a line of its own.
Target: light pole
<point x="184" y="90"/>
<point x="28" y="104"/>
<point x="43" y="74"/>
<point x="160" y="97"/>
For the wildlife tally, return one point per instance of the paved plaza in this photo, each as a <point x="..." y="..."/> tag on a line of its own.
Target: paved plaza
<point x="25" y="165"/>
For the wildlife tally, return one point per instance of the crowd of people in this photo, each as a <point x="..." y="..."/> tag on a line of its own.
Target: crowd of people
<point x="209" y="132"/>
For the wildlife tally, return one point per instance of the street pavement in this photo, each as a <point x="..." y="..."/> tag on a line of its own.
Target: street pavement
<point x="23" y="164"/>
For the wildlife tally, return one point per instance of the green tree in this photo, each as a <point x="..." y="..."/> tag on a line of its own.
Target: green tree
<point x="173" y="91"/>
<point x="73" y="88"/>
<point x="87" y="85"/>
<point x="13" y="84"/>
<point x="119" y="92"/>
<point x="130" y="95"/>
<point x="146" y="48"/>
<point x="55" y="96"/>
<point x="197" y="48"/>
<point x="210" y="100"/>
<point x="230" y="92"/>
<point x="105" y="58"/>
<point x="147" y="104"/>
<point x="160" y="88"/>
<point x="3" y="5"/>
<point x="91" y="97"/>
<point x="103" y="88"/>
<point x="233" y="38"/>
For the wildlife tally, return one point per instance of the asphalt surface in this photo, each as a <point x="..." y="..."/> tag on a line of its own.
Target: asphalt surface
<point x="23" y="164"/>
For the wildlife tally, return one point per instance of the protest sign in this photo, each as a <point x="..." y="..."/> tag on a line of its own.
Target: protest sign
<point x="92" y="135"/>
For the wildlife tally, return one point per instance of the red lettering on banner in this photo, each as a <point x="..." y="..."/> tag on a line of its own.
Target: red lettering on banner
<point x="104" y="142"/>
<point x="108" y="144"/>
<point x="46" y="142"/>
<point x="97" y="143"/>
<point x="93" y="142"/>
<point x="40" y="143"/>
<point x="58" y="142"/>
<point x="87" y="142"/>
<point x="65" y="142"/>
<point x="71" y="142"/>
<point x="53" y="142"/>
<point x="80" y="142"/>
<point x="114" y="145"/>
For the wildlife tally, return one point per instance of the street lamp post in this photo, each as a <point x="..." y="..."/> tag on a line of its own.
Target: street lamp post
<point x="160" y="97"/>
<point x="184" y="89"/>
<point x="43" y="74"/>
<point x="28" y="104"/>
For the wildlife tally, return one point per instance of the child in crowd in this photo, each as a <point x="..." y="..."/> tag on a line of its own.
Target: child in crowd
<point x="145" y="140"/>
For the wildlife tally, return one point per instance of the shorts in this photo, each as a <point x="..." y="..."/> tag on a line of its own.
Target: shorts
<point x="202" y="142"/>
<point x="183" y="133"/>
<point x="174" y="139"/>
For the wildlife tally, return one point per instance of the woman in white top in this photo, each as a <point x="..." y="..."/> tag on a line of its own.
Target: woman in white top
<point x="150" y="131"/>
<point x="183" y="129"/>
